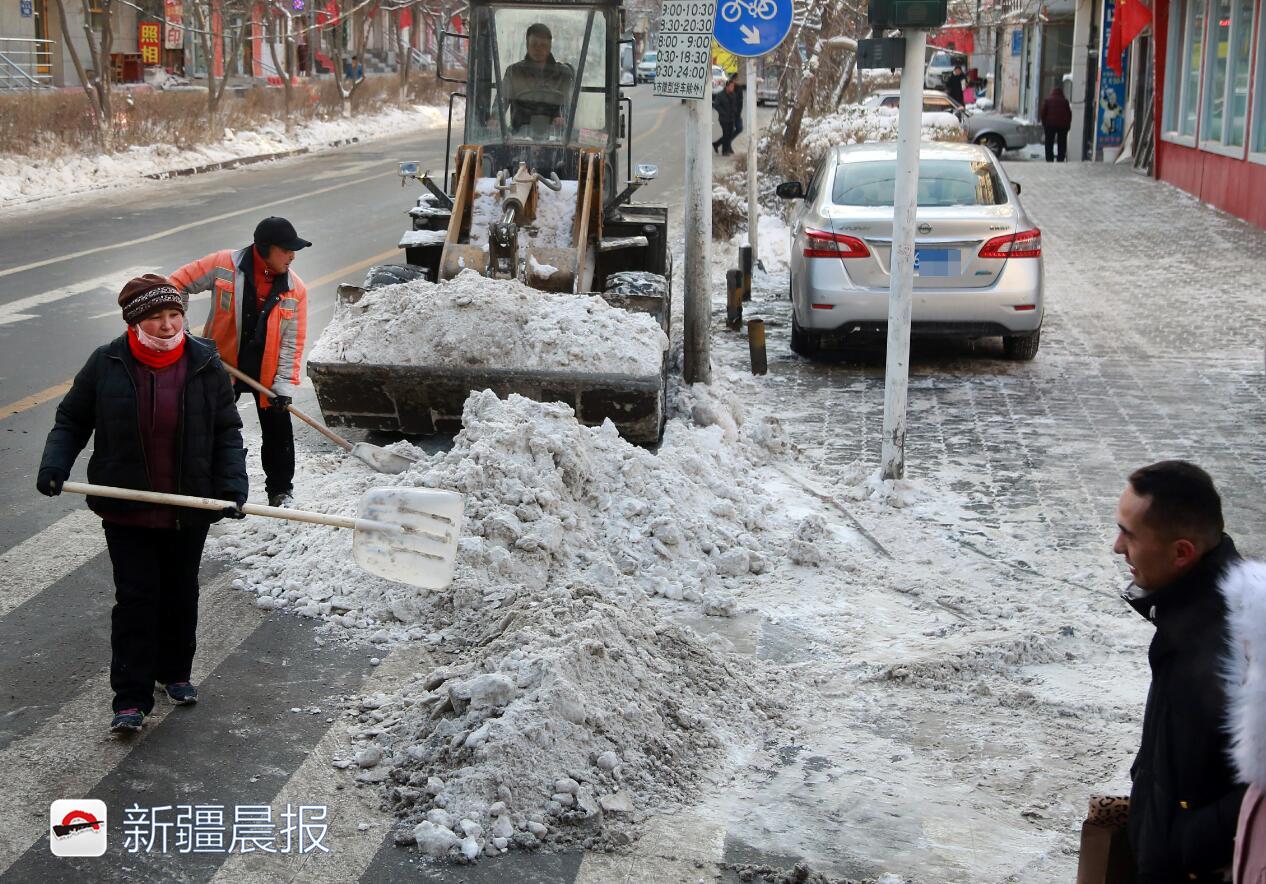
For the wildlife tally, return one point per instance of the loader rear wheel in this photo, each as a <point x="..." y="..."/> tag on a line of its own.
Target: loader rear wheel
<point x="393" y="274"/>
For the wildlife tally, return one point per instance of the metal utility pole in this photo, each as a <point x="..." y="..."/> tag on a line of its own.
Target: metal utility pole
<point x="901" y="262"/>
<point x="697" y="367"/>
<point x="749" y="101"/>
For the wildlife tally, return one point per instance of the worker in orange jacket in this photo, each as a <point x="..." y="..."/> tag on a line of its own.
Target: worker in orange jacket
<point x="259" y="322"/>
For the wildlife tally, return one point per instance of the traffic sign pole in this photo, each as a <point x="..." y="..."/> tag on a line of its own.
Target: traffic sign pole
<point x="901" y="261"/>
<point x="749" y="100"/>
<point x="696" y="355"/>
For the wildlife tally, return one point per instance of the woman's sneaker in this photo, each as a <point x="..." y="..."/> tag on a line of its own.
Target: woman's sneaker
<point x="127" y="721"/>
<point x="182" y="693"/>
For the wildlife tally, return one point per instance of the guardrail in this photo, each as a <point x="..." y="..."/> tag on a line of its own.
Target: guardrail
<point x="25" y="63"/>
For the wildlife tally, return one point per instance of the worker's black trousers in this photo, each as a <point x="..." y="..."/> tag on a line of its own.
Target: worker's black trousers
<point x="278" y="449"/>
<point x="154" y="624"/>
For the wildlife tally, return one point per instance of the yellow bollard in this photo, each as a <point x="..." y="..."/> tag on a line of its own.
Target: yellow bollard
<point x="756" y="345"/>
<point x="733" y="300"/>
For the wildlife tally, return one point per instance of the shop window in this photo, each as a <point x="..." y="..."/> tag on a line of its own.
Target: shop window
<point x="1182" y="76"/>
<point x="1258" y="142"/>
<point x="1227" y="73"/>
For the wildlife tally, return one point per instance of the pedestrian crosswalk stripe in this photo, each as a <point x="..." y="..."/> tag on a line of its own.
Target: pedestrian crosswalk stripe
<point x="40" y="561"/>
<point x="351" y="849"/>
<point x="74" y="750"/>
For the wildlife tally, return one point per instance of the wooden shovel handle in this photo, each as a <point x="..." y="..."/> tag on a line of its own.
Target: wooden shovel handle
<point x="260" y="388"/>
<point x="207" y="503"/>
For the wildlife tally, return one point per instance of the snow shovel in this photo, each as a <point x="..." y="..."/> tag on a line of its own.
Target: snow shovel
<point x="404" y="534"/>
<point x="378" y="458"/>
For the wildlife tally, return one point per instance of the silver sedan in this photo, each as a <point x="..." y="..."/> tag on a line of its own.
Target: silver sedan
<point x="978" y="258"/>
<point x="998" y="132"/>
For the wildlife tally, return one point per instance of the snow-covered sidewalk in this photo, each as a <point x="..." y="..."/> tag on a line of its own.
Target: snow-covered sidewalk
<point x="25" y="179"/>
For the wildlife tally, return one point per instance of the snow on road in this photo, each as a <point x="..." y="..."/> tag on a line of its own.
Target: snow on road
<point x="25" y="179"/>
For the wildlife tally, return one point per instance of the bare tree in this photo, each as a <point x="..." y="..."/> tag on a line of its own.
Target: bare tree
<point x="279" y="27"/>
<point x="404" y="40"/>
<point x="211" y="22"/>
<point x="337" y="41"/>
<point x="97" y="86"/>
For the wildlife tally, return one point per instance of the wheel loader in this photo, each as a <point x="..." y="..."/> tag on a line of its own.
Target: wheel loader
<point x="532" y="194"/>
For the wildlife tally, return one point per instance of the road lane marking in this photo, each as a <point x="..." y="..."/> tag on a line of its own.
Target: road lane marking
<point x="59" y="390"/>
<point x="15" y="311"/>
<point x="352" y="850"/>
<point x="73" y="750"/>
<point x="659" y="121"/>
<point x="38" y="562"/>
<point x="191" y="225"/>
<point x="200" y="296"/>
<point x="54" y="392"/>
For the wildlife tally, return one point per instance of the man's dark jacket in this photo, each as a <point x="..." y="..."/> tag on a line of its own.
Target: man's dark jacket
<point x="102" y="403"/>
<point x="1184" y="801"/>
<point x="728" y="105"/>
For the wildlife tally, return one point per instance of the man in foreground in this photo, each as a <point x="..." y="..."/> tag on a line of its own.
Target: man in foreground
<point x="1184" y="800"/>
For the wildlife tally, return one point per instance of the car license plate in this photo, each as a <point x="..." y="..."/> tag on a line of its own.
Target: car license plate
<point x="938" y="262"/>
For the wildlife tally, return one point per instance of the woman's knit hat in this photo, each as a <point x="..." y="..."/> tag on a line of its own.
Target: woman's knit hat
<point x="145" y="294"/>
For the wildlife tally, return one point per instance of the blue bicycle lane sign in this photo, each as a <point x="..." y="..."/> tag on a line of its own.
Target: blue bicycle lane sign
<point x="751" y="28"/>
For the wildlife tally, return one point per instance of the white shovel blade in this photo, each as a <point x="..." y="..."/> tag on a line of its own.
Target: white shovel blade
<point x="380" y="459"/>
<point x="420" y="546"/>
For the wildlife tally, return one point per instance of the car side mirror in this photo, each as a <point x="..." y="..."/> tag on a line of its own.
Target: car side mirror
<point x="631" y="72"/>
<point x="1016" y="185"/>
<point x="790" y="190"/>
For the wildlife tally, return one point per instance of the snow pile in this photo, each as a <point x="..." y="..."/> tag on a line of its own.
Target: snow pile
<point x="563" y="706"/>
<point x="572" y="718"/>
<point x="472" y="321"/>
<point x="28" y="178"/>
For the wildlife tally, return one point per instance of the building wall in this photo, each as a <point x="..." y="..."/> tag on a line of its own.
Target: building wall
<point x="1228" y="177"/>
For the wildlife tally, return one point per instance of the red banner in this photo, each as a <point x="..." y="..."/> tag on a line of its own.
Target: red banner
<point x="174" y="34"/>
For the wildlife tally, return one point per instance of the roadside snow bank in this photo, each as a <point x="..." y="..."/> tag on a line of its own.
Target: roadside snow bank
<point x="27" y="178"/>
<point x="474" y="321"/>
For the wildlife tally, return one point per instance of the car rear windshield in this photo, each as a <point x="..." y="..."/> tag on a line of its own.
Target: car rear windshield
<point x="941" y="183"/>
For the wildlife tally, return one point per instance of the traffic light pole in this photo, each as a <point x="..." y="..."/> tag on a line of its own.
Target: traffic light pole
<point x="901" y="261"/>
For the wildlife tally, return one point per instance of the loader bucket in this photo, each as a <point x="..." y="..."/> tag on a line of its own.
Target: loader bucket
<point x="421" y="400"/>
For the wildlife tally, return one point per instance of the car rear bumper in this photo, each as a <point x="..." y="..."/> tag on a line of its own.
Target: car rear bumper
<point x="824" y="301"/>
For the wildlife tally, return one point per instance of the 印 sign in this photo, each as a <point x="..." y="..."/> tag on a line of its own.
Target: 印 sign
<point x="683" y="61"/>
<point x="174" y="32"/>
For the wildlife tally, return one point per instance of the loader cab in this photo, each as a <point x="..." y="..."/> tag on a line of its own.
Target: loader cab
<point x="542" y="83"/>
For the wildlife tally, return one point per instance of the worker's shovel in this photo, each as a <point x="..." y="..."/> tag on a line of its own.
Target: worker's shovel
<point x="376" y="457"/>
<point x="403" y="534"/>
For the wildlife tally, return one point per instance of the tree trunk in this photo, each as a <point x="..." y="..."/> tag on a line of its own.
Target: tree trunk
<point x="79" y="70"/>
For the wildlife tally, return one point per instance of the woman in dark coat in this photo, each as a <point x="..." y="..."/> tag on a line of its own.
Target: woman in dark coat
<point x="1056" y="117"/>
<point x="729" y="105"/>
<point x="159" y="407"/>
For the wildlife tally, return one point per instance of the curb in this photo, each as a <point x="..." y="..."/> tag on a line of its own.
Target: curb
<point x="243" y="161"/>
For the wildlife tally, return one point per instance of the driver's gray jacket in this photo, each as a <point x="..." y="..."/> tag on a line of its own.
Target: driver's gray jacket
<point x="533" y="89"/>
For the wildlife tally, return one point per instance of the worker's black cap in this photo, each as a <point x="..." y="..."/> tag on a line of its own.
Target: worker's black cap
<point x="274" y="231"/>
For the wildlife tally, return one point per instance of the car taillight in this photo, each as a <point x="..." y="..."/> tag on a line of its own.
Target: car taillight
<point x="825" y="244"/>
<point x="1027" y="244"/>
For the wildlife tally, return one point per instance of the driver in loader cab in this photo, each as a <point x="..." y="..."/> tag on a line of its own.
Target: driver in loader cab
<point x="538" y="86"/>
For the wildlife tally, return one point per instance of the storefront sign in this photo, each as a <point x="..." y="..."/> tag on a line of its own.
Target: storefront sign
<point x="1110" y="101"/>
<point x="149" y="39"/>
<point x="174" y="33"/>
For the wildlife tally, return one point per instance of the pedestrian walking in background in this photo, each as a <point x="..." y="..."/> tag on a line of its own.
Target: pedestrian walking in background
<point x="1244" y="589"/>
<point x="1184" y="798"/>
<point x="956" y="83"/>
<point x="1056" y="117"/>
<point x="159" y="409"/>
<point x="259" y="322"/>
<point x="729" y="105"/>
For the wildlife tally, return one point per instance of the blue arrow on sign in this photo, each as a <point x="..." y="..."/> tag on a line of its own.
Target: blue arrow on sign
<point x="751" y="28"/>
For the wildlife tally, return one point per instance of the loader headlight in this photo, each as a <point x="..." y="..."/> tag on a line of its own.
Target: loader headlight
<point x="409" y="170"/>
<point x="647" y="171"/>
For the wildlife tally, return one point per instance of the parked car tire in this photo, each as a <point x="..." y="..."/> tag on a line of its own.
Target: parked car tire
<point x="805" y="343"/>
<point x="993" y="142"/>
<point x="1022" y="348"/>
